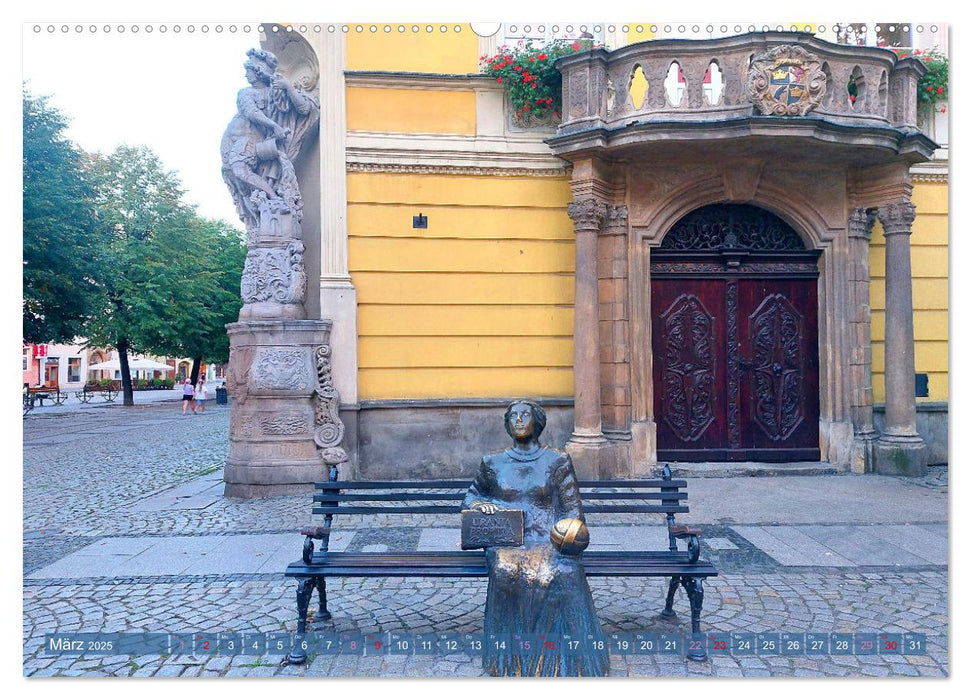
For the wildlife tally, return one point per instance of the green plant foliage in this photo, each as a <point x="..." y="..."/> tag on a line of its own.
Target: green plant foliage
<point x="932" y="87"/>
<point x="174" y="280"/>
<point x="61" y="238"/>
<point x="527" y="74"/>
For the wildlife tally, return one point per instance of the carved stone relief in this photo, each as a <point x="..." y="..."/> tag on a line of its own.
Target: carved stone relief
<point x="786" y="81"/>
<point x="282" y="369"/>
<point x="274" y="274"/>
<point x="328" y="428"/>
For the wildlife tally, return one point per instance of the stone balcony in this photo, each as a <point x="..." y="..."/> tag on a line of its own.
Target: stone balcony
<point x="771" y="87"/>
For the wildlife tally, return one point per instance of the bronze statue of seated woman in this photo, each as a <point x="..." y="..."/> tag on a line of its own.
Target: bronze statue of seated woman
<point x="538" y="588"/>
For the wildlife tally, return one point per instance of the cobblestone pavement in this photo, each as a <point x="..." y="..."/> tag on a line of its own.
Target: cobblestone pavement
<point x="86" y="479"/>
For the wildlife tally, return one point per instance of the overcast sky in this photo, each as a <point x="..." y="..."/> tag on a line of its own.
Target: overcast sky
<point x="174" y="92"/>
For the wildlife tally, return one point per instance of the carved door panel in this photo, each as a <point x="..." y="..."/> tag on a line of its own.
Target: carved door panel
<point x="779" y="369"/>
<point x="689" y="367"/>
<point x="736" y="371"/>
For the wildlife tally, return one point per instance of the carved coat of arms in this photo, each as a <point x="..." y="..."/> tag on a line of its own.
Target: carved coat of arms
<point x="786" y="81"/>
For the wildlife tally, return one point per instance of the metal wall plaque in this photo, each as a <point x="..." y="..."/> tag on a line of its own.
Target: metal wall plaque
<point x="504" y="528"/>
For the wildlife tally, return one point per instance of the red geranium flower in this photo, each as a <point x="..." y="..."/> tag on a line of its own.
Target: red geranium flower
<point x="519" y="69"/>
<point x="940" y="91"/>
<point x="542" y="57"/>
<point x="498" y="80"/>
<point x="576" y="45"/>
<point x="930" y="89"/>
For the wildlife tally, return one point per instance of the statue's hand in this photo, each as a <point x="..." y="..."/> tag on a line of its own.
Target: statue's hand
<point x="279" y="132"/>
<point x="281" y="83"/>
<point x="485" y="507"/>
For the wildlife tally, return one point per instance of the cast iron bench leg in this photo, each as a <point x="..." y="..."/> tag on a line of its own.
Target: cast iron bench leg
<point x="693" y="586"/>
<point x="305" y="588"/>
<point x="322" y="612"/>
<point x="669" y="602"/>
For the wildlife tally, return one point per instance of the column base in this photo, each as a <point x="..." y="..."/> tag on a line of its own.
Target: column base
<point x="900" y="455"/>
<point x="861" y="455"/>
<point x="600" y="459"/>
<point x="644" y="448"/>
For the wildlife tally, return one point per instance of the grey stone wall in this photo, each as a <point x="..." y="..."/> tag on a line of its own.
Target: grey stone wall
<point x="931" y="426"/>
<point x="441" y="439"/>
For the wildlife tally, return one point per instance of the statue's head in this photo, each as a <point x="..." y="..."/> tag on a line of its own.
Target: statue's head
<point x="262" y="63"/>
<point x="524" y="419"/>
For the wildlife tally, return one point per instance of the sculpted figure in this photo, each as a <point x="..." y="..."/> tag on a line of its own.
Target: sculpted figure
<point x="272" y="120"/>
<point x="535" y="588"/>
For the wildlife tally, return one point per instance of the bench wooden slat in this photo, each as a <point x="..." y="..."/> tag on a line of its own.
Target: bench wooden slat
<point x="634" y="483"/>
<point x="332" y="498"/>
<point x="473" y="564"/>
<point x="594" y="508"/>
<point x="460" y="558"/>
<point x="464" y="484"/>
<point x="387" y="510"/>
<point x="626" y="496"/>
<point x="334" y="485"/>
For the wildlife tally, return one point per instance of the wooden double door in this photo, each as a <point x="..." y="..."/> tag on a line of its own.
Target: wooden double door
<point x="736" y="363"/>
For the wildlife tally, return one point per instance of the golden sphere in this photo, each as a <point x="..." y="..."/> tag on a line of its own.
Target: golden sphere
<point x="570" y="536"/>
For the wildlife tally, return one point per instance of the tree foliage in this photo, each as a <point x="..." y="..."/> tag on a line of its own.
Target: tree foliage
<point x="174" y="279"/>
<point x="62" y="264"/>
<point x="113" y="253"/>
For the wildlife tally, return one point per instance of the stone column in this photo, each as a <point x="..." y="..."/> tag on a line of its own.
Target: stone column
<point x="861" y="399"/>
<point x="900" y="450"/>
<point x="584" y="446"/>
<point x="338" y="297"/>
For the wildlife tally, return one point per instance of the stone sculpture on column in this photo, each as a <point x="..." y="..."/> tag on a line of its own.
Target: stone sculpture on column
<point x="285" y="432"/>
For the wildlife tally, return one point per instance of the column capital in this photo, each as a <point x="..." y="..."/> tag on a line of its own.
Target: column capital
<point x="861" y="222"/>
<point x="897" y="217"/>
<point x="588" y="214"/>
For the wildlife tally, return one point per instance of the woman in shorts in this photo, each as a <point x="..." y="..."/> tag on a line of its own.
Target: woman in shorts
<point x="201" y="396"/>
<point x="188" y="393"/>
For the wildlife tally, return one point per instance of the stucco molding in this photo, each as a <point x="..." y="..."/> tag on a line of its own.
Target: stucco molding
<point x="420" y="169"/>
<point x="397" y="80"/>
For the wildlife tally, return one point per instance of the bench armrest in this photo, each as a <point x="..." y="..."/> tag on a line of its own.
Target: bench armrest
<point x="692" y="535"/>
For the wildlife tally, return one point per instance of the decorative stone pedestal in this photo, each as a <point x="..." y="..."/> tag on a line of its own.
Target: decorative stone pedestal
<point x="902" y="455"/>
<point x="284" y="407"/>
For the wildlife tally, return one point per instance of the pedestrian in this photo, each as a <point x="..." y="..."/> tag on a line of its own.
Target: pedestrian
<point x="188" y="394"/>
<point x="201" y="396"/>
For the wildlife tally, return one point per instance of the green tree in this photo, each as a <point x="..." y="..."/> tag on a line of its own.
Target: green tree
<point x="62" y="245"/>
<point x="211" y="298"/>
<point x="174" y="277"/>
<point x="149" y="253"/>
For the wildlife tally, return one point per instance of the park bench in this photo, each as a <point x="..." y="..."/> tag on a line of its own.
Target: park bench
<point x="46" y="392"/>
<point x="89" y="391"/>
<point x="646" y="497"/>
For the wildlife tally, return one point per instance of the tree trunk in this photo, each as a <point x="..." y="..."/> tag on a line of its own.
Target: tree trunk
<point x="125" y="372"/>
<point x="196" y="366"/>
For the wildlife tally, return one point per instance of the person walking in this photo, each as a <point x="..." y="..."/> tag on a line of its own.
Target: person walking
<point x="201" y="392"/>
<point x="188" y="394"/>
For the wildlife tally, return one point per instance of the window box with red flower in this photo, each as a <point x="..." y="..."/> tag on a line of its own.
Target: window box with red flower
<point x="533" y="86"/>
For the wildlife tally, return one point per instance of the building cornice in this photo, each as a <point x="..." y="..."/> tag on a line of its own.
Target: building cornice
<point x="519" y="154"/>
<point x="419" y="81"/>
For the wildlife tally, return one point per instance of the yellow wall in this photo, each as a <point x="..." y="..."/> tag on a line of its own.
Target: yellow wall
<point x="411" y="111"/>
<point x="929" y="262"/>
<point x="408" y="51"/>
<point x="479" y="304"/>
